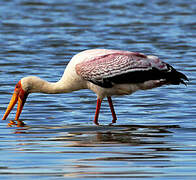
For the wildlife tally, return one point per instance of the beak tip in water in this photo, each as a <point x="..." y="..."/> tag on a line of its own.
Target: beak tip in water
<point x="19" y="95"/>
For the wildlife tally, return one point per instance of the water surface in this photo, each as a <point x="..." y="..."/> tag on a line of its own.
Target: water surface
<point x="154" y="137"/>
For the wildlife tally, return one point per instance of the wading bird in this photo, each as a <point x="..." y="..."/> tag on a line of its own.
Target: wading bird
<point x="105" y="72"/>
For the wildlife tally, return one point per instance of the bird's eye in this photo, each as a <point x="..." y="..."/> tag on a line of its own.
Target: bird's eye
<point x="17" y="85"/>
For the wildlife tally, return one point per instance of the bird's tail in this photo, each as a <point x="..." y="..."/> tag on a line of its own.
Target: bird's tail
<point x="175" y="77"/>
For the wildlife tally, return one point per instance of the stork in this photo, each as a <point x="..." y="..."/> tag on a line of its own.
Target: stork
<point x="106" y="72"/>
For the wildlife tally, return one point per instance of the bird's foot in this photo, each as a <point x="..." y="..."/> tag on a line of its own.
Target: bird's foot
<point x="21" y="124"/>
<point x="97" y="123"/>
<point x="18" y="124"/>
<point x="11" y="123"/>
<point x="113" y="122"/>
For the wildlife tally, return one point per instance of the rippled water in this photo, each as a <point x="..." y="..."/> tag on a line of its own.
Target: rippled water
<point x="155" y="135"/>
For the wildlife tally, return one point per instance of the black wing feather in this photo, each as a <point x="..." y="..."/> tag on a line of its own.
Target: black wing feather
<point x="131" y="68"/>
<point x="171" y="76"/>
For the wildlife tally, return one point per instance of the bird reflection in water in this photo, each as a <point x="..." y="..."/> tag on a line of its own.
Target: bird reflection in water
<point x="100" y="149"/>
<point x="90" y="135"/>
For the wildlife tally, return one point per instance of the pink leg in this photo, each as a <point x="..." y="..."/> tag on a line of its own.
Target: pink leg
<point x="97" y="111"/>
<point x="112" y="109"/>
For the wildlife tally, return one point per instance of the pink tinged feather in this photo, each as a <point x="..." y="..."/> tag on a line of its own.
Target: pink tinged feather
<point x="112" y="64"/>
<point x="157" y="63"/>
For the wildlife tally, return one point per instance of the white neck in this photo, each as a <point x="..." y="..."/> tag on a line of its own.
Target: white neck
<point x="34" y="84"/>
<point x="54" y="88"/>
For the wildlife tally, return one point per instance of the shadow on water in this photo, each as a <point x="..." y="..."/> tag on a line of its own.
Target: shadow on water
<point x="103" y="136"/>
<point x="115" y="134"/>
<point x="82" y="151"/>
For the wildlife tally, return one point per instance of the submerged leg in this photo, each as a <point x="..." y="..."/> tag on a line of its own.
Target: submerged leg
<point x="112" y="109"/>
<point x="12" y="123"/>
<point x="97" y="111"/>
<point x="18" y="124"/>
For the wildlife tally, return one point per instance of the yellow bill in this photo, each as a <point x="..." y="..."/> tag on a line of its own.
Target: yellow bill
<point x="19" y="95"/>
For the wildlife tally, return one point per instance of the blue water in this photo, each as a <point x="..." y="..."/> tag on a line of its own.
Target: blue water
<point x="154" y="137"/>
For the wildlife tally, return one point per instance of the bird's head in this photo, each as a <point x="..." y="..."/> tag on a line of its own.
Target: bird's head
<point x="23" y="88"/>
<point x="20" y="95"/>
